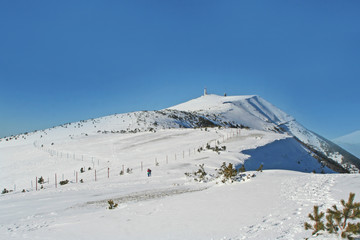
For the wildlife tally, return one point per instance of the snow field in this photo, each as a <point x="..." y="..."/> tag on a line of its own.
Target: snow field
<point x="273" y="205"/>
<point x="100" y="152"/>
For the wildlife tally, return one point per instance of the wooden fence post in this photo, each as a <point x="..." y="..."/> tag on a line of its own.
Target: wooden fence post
<point x="108" y="172"/>
<point x="95" y="175"/>
<point x="36" y="183"/>
<point x="55" y="181"/>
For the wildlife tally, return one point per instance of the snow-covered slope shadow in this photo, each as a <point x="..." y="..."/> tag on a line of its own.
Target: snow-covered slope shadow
<point x="285" y="154"/>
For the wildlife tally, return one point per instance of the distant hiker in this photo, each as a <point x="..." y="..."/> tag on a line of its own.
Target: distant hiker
<point x="149" y="172"/>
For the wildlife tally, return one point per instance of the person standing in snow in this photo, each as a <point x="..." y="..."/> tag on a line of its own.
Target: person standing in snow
<point x="149" y="172"/>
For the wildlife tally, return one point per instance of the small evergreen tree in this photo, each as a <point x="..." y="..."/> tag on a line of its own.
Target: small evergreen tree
<point x="200" y="174"/>
<point x="317" y="218"/>
<point x="112" y="205"/>
<point x="41" y="180"/>
<point x="242" y="169"/>
<point x="64" y="182"/>
<point x="338" y="219"/>
<point x="260" y="168"/>
<point x="227" y="172"/>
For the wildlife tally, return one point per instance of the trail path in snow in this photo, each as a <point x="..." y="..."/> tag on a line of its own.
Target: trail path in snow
<point x="298" y="195"/>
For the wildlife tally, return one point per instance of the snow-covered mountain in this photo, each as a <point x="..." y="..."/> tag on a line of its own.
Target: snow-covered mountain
<point x="248" y="111"/>
<point x="350" y="142"/>
<point x="257" y="113"/>
<point x="106" y="158"/>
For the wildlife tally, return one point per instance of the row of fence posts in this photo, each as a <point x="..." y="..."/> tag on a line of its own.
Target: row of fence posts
<point x="229" y="135"/>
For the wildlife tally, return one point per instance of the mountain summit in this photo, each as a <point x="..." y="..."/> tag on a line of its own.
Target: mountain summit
<point x="250" y="110"/>
<point x="246" y="112"/>
<point x="255" y="112"/>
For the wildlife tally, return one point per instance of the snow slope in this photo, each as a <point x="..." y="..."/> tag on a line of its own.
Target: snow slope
<point x="257" y="113"/>
<point x="168" y="205"/>
<point x="272" y="205"/>
<point x="350" y="142"/>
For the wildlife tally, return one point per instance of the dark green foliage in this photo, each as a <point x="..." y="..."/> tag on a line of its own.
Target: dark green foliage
<point x="260" y="168"/>
<point x="82" y="170"/>
<point x="199" y="175"/>
<point x="317" y="218"/>
<point x="215" y="149"/>
<point x="228" y="173"/>
<point x="81" y="181"/>
<point x="338" y="219"/>
<point x="41" y="180"/>
<point x="112" y="205"/>
<point x="242" y="169"/>
<point x="64" y="182"/>
<point x="129" y="170"/>
<point x="4" y="191"/>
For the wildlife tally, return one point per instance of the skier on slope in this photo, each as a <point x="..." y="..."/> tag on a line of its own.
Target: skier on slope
<point x="149" y="172"/>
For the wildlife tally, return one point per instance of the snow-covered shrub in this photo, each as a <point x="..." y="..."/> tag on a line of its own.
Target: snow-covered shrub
<point x="64" y="182"/>
<point x="4" y="191"/>
<point x="199" y="175"/>
<point x="112" y="205"/>
<point x="338" y="221"/>
<point x="242" y="169"/>
<point x="82" y="170"/>
<point x="227" y="173"/>
<point x="121" y="172"/>
<point x="260" y="168"/>
<point x="41" y="180"/>
<point x="129" y="170"/>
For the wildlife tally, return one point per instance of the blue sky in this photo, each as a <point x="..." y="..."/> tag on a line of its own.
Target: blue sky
<point x="64" y="61"/>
